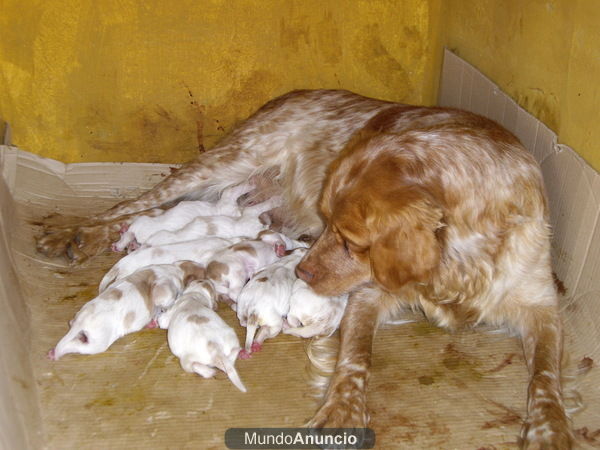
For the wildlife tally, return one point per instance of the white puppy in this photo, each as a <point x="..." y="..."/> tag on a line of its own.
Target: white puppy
<point x="265" y="301"/>
<point x="229" y="269"/>
<point x="312" y="314"/>
<point x="128" y="306"/>
<point x="180" y="215"/>
<point x="198" y="251"/>
<point x="249" y="224"/>
<point x="198" y="336"/>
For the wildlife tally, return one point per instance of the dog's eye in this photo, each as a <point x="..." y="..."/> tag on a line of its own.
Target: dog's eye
<point x="346" y="248"/>
<point x="352" y="248"/>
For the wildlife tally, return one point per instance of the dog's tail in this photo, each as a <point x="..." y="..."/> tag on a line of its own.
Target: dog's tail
<point x="322" y="356"/>
<point x="251" y="327"/>
<point x="232" y="373"/>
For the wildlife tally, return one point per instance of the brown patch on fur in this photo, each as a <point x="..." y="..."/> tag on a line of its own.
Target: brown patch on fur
<point x="114" y="294"/>
<point x="215" y="270"/>
<point x="199" y="320"/>
<point x="145" y="285"/>
<point x="244" y="248"/>
<point x="262" y="279"/>
<point x="128" y="320"/>
<point x="192" y="271"/>
<point x="210" y="288"/>
<point x="265" y="218"/>
<point x="277" y="219"/>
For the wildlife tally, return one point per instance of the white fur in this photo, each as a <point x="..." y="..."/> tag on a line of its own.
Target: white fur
<point x="241" y="261"/>
<point x="121" y="309"/>
<point x="180" y="215"/>
<point x="312" y="314"/>
<point x="265" y="300"/>
<point x="199" y="337"/>
<point x="198" y="251"/>
<point x="248" y="224"/>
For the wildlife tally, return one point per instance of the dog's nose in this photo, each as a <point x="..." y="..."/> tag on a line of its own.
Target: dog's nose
<point x="304" y="274"/>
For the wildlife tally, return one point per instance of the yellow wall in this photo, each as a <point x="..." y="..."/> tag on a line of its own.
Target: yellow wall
<point x="543" y="53"/>
<point x="130" y="80"/>
<point x="133" y="80"/>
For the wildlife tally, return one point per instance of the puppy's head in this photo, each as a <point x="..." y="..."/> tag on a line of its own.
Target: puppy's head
<point x="380" y="225"/>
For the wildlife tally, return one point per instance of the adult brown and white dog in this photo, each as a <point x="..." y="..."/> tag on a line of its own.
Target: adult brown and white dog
<point x="435" y="208"/>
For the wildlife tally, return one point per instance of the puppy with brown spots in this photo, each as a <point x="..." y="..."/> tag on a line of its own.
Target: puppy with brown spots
<point x="201" y="340"/>
<point x="200" y="251"/>
<point x="229" y="269"/>
<point x="127" y="306"/>
<point x="265" y="301"/>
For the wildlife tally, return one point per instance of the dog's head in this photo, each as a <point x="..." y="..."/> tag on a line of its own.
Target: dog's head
<point x="381" y="224"/>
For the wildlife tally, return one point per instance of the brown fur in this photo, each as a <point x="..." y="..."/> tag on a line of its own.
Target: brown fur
<point x="215" y="270"/>
<point x="114" y="294"/>
<point x="244" y="248"/>
<point x="145" y="280"/>
<point x="192" y="271"/>
<point x="198" y="319"/>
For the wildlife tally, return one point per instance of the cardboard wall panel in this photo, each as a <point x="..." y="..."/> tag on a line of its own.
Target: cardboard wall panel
<point x="573" y="189"/>
<point x="19" y="407"/>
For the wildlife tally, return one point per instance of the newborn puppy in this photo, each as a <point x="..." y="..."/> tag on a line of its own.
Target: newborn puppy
<point x="198" y="336"/>
<point x="312" y="314"/>
<point x="127" y="306"/>
<point x="265" y="300"/>
<point x="250" y="223"/>
<point x="180" y="215"/>
<point x="198" y="251"/>
<point x="229" y="269"/>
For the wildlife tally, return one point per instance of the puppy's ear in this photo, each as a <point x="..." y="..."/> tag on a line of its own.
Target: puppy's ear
<point x="407" y="251"/>
<point x="83" y="337"/>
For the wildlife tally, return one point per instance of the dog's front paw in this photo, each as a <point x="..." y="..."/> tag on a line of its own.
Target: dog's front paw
<point x="552" y="434"/>
<point x="342" y="412"/>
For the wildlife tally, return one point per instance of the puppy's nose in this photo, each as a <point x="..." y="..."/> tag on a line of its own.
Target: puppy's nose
<point x="304" y="274"/>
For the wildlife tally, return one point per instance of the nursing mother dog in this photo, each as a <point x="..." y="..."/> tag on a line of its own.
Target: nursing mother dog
<point x="433" y="208"/>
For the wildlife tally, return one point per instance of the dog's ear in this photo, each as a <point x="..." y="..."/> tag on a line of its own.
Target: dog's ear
<point x="407" y="250"/>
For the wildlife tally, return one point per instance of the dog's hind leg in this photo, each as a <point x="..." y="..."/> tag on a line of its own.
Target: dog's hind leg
<point x="207" y="176"/>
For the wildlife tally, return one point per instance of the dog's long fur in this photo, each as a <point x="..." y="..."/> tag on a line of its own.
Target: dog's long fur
<point x="431" y="207"/>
